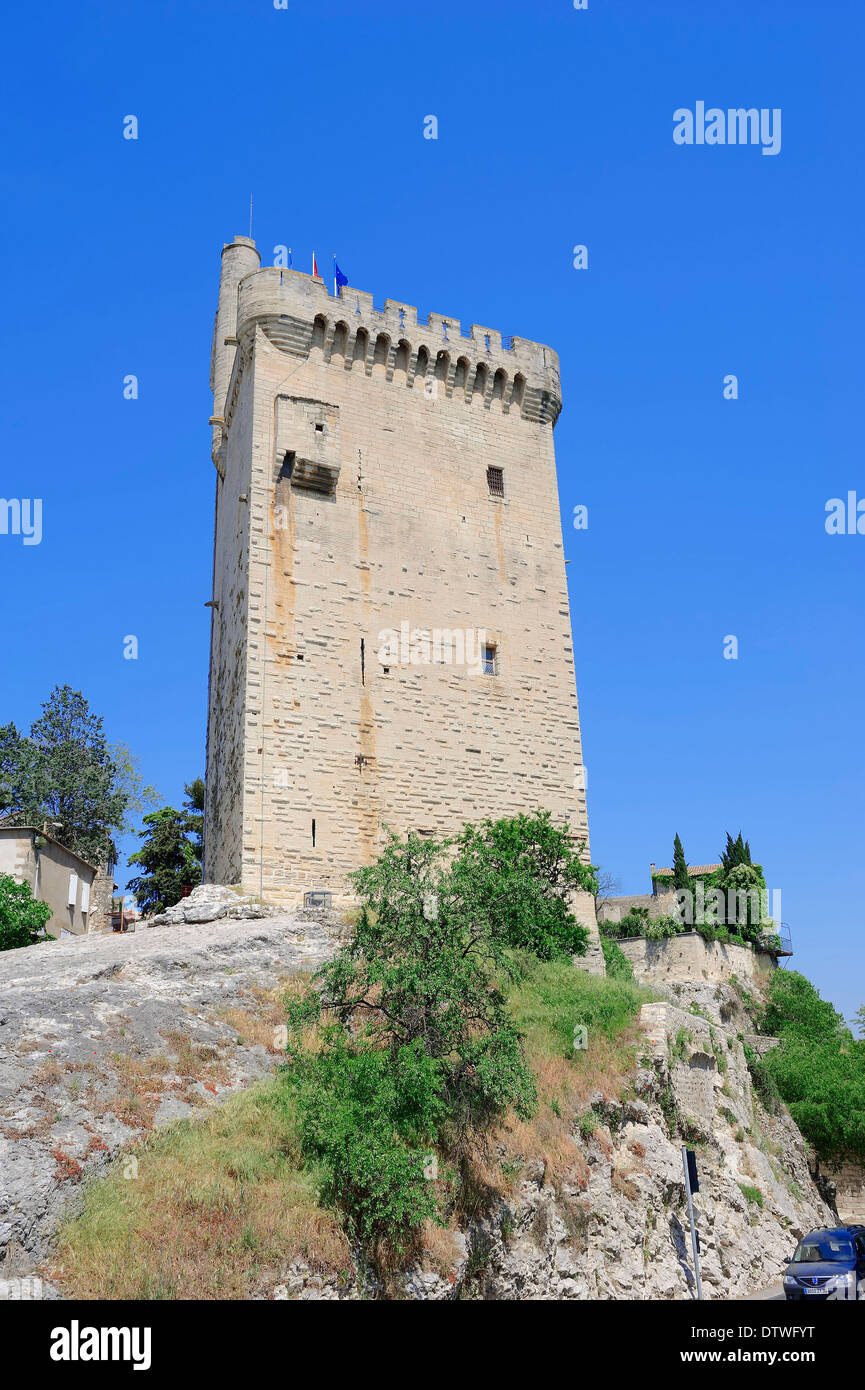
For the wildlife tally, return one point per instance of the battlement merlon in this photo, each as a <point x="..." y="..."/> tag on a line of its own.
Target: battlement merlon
<point x="297" y="314"/>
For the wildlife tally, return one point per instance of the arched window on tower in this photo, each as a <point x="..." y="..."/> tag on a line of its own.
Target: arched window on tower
<point x="500" y="381"/>
<point x="421" y="367"/>
<point x="518" y="392"/>
<point x="361" y="347"/>
<point x="319" y="329"/>
<point x="340" y="342"/>
<point x="443" y="366"/>
<point x="379" y="361"/>
<point x="479" y="390"/>
<point x="460" y="377"/>
<point x="400" y="368"/>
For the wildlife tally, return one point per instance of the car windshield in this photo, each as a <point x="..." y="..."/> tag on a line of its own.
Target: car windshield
<point x="825" y="1251"/>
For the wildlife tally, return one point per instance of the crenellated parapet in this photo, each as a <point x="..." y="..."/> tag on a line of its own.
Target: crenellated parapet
<point x="301" y="318"/>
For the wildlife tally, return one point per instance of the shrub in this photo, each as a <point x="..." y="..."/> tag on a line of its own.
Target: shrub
<point x="753" y="1194"/>
<point x="763" y="1081"/>
<point x="23" y="918"/>
<point x="638" y="922"/>
<point x="369" y="1118"/>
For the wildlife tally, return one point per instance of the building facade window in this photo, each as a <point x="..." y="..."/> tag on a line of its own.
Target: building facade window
<point x="496" y="482"/>
<point x="490" y="664"/>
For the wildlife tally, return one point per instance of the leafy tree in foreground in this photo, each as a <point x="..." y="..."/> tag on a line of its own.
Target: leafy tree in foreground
<point x="168" y="858"/>
<point x="415" y="1047"/>
<point x="23" y="918"/>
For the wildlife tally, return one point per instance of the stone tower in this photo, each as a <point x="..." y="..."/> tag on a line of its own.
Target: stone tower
<point x="391" y="641"/>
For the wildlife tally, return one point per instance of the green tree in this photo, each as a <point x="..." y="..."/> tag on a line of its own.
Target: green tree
<point x="743" y="885"/>
<point x="515" y="878"/>
<point x="858" y="1021"/>
<point x="681" y="877"/>
<point x="682" y="883"/>
<point x="138" y="797"/>
<point x="10" y="771"/>
<point x="193" y="808"/>
<point x="818" y="1067"/>
<point x="735" y="852"/>
<point x="416" y="1046"/>
<point x="168" y="859"/>
<point x="23" y="918"/>
<point x="65" y="772"/>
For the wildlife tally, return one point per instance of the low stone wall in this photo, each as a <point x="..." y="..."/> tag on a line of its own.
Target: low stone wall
<point x="849" y="1180"/>
<point x="689" y="959"/>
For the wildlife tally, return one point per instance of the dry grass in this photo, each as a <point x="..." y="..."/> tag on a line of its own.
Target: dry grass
<point x="554" y="999"/>
<point x="262" y="1023"/>
<point x="49" y="1074"/>
<point x="217" y="1204"/>
<point x="439" y="1249"/>
<point x="140" y="1089"/>
<point x="620" y="1183"/>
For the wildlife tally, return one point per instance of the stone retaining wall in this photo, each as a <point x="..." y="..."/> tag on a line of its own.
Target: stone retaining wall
<point x="688" y="958"/>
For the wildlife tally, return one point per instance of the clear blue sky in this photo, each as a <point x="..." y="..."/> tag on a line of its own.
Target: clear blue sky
<point x="706" y="516"/>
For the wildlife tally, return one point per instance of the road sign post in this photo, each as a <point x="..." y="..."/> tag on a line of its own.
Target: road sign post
<point x="689" y="1160"/>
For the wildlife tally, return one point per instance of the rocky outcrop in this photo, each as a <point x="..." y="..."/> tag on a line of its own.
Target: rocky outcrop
<point x="616" y="1226"/>
<point x="211" y="902"/>
<point x="103" y="1037"/>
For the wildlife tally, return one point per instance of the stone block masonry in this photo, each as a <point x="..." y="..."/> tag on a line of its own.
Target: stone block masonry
<point x="377" y="474"/>
<point x="688" y="959"/>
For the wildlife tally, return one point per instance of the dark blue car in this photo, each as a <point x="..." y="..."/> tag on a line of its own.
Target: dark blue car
<point x="828" y="1264"/>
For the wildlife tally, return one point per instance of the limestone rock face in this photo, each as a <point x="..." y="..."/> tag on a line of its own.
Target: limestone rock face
<point x="209" y="902"/>
<point x="93" y="1035"/>
<point x="96" y="1034"/>
<point x="616" y="1226"/>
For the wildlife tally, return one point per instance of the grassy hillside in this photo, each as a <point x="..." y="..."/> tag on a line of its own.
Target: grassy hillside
<point x="219" y="1207"/>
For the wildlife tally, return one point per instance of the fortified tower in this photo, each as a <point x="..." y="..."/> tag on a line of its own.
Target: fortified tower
<point x="390" y="641"/>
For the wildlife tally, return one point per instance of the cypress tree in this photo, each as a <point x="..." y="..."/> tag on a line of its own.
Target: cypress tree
<point x="681" y="877"/>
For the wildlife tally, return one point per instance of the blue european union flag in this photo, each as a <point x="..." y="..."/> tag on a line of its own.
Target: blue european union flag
<point x="338" y="278"/>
